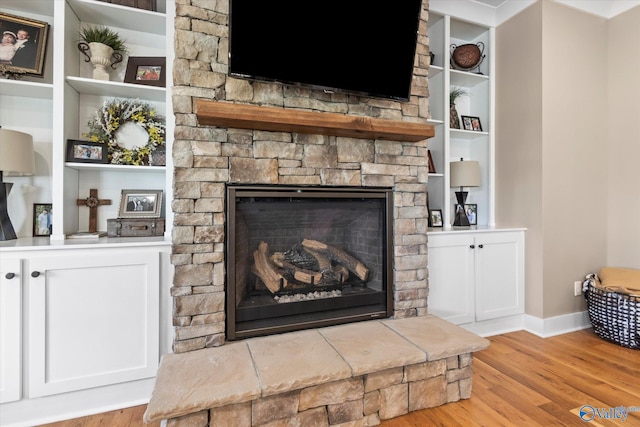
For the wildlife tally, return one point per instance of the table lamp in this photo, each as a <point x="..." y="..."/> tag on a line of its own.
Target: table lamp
<point x="463" y="174"/>
<point x="16" y="158"/>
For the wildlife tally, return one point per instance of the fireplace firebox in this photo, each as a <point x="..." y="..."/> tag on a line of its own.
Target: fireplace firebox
<point x="306" y="257"/>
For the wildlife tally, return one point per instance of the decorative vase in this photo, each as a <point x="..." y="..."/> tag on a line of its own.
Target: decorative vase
<point x="454" y="120"/>
<point x="100" y="56"/>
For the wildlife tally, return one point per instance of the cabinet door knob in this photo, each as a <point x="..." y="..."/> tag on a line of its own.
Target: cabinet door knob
<point x="10" y="276"/>
<point x="472" y="246"/>
<point x="481" y="246"/>
<point x="35" y="273"/>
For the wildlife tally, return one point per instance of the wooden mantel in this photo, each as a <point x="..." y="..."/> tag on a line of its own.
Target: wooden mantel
<point x="244" y="116"/>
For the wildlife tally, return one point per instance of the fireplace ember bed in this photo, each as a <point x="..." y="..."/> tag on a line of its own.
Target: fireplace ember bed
<point x="307" y="257"/>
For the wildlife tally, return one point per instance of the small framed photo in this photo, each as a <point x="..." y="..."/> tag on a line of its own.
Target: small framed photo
<point x="140" y="204"/>
<point x="146" y="70"/>
<point x="42" y="219"/>
<point x="86" y="152"/>
<point x="24" y="42"/>
<point x="436" y="217"/>
<point x="471" y="123"/>
<point x="472" y="213"/>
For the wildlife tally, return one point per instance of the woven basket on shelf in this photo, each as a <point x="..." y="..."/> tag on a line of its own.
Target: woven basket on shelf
<point x="615" y="317"/>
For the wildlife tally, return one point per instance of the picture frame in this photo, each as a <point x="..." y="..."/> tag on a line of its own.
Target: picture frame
<point x="146" y="70"/>
<point x="140" y="204"/>
<point x="436" y="217"/>
<point x="471" y="123"/>
<point x="42" y="219"/>
<point x="432" y="166"/>
<point x="30" y="40"/>
<point x="86" y="152"/>
<point x="471" y="210"/>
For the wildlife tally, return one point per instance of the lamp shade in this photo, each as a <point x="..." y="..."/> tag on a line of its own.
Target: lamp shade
<point x="16" y="152"/>
<point x="464" y="174"/>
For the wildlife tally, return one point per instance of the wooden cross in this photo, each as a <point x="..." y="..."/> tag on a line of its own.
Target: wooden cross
<point x="92" y="202"/>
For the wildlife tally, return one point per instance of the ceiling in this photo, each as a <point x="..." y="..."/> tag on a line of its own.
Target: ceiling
<point x="605" y="8"/>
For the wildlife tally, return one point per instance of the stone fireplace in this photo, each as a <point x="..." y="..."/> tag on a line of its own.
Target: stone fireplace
<point x="209" y="158"/>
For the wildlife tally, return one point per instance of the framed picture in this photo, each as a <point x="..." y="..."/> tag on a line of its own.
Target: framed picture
<point x="472" y="213"/>
<point x="42" y="219"/>
<point x="86" y="152"/>
<point x="471" y="123"/>
<point x="24" y="42"/>
<point x="436" y="217"/>
<point x="146" y="70"/>
<point x="432" y="166"/>
<point x="140" y="204"/>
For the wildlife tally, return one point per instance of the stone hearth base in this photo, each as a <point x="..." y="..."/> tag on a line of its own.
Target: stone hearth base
<point x="359" y="373"/>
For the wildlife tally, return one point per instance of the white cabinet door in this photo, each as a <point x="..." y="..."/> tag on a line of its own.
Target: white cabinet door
<point x="93" y="319"/>
<point x="10" y="329"/>
<point x="451" y="277"/>
<point x="499" y="274"/>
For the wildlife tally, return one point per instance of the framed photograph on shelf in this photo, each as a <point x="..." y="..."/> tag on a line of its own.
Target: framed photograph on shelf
<point x="471" y="123"/>
<point x="86" y="152"/>
<point x="435" y="215"/>
<point x="432" y="166"/>
<point x="24" y="42"/>
<point x="472" y="213"/>
<point x="42" y="219"/>
<point x="146" y="70"/>
<point x="140" y="204"/>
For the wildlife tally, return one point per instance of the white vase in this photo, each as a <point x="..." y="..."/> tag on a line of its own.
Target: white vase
<point x="101" y="59"/>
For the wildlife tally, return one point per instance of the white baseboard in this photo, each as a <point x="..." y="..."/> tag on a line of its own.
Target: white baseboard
<point x="556" y="325"/>
<point x="65" y="406"/>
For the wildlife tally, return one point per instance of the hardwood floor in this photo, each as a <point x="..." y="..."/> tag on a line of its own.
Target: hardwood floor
<point x="520" y="380"/>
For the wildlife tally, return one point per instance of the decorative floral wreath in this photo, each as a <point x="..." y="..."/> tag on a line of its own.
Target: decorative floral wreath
<point x="114" y="114"/>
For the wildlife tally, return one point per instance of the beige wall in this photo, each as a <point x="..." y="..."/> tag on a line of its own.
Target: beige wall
<point x="553" y="103"/>
<point x="623" y="140"/>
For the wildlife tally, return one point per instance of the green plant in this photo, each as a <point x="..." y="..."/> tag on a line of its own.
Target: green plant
<point x="103" y="35"/>
<point x="456" y="93"/>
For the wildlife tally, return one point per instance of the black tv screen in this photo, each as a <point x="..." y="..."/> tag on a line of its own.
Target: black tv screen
<point x="365" y="47"/>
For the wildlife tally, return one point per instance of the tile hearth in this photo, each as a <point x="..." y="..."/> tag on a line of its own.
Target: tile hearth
<point x="364" y="372"/>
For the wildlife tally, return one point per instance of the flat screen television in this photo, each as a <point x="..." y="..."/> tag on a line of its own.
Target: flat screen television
<point x="364" y="47"/>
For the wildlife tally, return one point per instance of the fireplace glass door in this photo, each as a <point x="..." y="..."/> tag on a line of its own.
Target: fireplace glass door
<point x="305" y="257"/>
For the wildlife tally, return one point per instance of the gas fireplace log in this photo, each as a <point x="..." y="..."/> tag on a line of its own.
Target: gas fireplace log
<point x="266" y="270"/>
<point x="300" y="274"/>
<point x="339" y="256"/>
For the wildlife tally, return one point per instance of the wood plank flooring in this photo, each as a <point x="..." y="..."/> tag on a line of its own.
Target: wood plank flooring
<point x="520" y="380"/>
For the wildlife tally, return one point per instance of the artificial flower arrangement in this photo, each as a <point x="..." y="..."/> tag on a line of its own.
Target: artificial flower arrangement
<point x="114" y="114"/>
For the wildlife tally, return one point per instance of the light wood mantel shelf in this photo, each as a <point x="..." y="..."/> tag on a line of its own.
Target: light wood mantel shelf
<point x="244" y="116"/>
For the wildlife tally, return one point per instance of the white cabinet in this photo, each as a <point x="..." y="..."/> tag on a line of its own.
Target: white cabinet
<point x="10" y="329"/>
<point x="82" y="327"/>
<point x="93" y="319"/>
<point x="452" y="144"/>
<point x="476" y="276"/>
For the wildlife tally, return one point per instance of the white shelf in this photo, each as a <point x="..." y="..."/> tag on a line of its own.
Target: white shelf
<point x="115" y="168"/>
<point x="26" y="89"/>
<point x="467" y="134"/>
<point x="434" y="70"/>
<point x="116" y="89"/>
<point x="465" y="78"/>
<point x="113" y="15"/>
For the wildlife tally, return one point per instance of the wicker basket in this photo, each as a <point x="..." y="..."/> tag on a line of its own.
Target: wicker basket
<point x="615" y="317"/>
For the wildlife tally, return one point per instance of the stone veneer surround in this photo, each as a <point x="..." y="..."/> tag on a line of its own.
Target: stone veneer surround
<point x="207" y="158"/>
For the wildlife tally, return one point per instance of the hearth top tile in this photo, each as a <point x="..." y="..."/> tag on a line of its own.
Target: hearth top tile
<point x="202" y="379"/>
<point x="437" y="337"/>
<point x="296" y="360"/>
<point x="371" y="347"/>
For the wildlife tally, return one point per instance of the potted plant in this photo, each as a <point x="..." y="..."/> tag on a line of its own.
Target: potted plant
<point x="103" y="43"/>
<point x="454" y="94"/>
